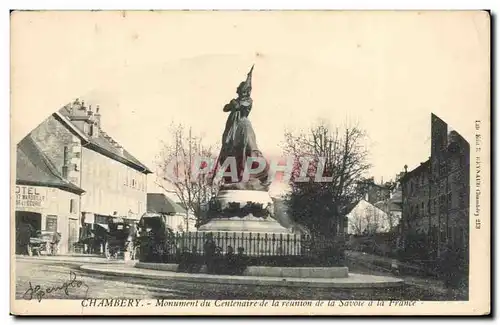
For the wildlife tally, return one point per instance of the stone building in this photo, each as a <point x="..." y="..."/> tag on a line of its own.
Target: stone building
<point x="44" y="199"/>
<point x="436" y="195"/>
<point x="114" y="181"/>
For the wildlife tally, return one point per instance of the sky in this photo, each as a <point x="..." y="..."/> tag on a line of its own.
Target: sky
<point x="385" y="71"/>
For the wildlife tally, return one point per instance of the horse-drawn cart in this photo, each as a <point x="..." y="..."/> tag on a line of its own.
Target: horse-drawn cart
<point x="120" y="240"/>
<point x="44" y="243"/>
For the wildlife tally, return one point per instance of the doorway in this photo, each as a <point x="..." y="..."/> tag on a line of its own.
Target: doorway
<point x="27" y="225"/>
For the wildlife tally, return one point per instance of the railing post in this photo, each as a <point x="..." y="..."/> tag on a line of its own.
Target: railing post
<point x="218" y="239"/>
<point x="258" y="245"/>
<point x="287" y="244"/>
<point x="281" y="245"/>
<point x="274" y="244"/>
<point x="249" y="244"/>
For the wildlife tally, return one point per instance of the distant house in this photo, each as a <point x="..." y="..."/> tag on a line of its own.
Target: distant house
<point x="174" y="212"/>
<point x="393" y="208"/>
<point x="366" y="218"/>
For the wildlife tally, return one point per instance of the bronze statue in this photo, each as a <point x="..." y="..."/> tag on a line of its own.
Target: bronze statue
<point x="238" y="139"/>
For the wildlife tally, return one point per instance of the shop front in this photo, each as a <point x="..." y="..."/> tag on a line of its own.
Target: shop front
<point x="46" y="209"/>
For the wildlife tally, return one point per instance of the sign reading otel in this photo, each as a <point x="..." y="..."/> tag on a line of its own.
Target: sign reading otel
<point x="30" y="197"/>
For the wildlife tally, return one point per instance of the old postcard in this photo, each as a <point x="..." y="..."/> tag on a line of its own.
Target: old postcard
<point x="250" y="163"/>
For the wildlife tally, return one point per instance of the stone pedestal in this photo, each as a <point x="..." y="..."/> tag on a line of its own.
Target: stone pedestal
<point x="239" y="212"/>
<point x="244" y="219"/>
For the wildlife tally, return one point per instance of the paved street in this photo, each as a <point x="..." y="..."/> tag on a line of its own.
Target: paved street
<point x="54" y="273"/>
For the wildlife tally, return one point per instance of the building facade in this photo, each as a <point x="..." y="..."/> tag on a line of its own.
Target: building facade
<point x="44" y="199"/>
<point x="436" y="194"/>
<point x="367" y="219"/>
<point x="114" y="181"/>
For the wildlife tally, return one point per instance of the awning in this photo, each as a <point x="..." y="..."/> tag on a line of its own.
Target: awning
<point x="103" y="225"/>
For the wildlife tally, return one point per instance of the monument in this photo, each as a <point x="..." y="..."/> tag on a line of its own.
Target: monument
<point x="243" y="204"/>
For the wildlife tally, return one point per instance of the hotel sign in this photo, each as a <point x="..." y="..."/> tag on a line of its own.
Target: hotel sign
<point x="30" y="197"/>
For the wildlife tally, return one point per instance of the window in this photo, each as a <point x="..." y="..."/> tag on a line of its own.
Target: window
<point x="75" y="167"/>
<point x="72" y="206"/>
<point x="65" y="155"/>
<point x="91" y="132"/>
<point x="51" y="223"/>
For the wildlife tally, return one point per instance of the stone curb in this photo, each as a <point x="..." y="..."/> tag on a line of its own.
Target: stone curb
<point x="354" y="281"/>
<point x="265" y="271"/>
<point x="78" y="259"/>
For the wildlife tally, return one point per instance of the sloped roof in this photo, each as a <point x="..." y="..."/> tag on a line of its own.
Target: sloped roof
<point x="103" y="144"/>
<point x="365" y="203"/>
<point x="34" y="168"/>
<point x="392" y="206"/>
<point x="160" y="203"/>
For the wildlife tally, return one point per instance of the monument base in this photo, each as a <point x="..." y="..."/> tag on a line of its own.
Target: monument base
<point x="244" y="219"/>
<point x="245" y="224"/>
<point x="259" y="220"/>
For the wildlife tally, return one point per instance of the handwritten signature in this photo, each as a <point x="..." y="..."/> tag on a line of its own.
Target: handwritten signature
<point x="38" y="292"/>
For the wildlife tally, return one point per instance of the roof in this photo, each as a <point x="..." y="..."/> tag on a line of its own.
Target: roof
<point x="388" y="205"/>
<point x="103" y="144"/>
<point x="34" y="168"/>
<point x="423" y="167"/>
<point x="160" y="203"/>
<point x="362" y="203"/>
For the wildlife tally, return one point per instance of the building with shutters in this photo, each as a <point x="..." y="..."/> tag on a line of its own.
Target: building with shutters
<point x="84" y="155"/>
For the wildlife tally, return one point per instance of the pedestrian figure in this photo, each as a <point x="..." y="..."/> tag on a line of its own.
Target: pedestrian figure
<point x="241" y="261"/>
<point x="209" y="250"/>
<point x="230" y="260"/>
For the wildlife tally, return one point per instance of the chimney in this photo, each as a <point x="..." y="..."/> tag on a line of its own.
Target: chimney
<point x="97" y="116"/>
<point x="77" y="107"/>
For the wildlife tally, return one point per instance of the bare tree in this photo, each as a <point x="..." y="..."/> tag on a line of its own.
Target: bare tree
<point x="178" y="171"/>
<point x="374" y="220"/>
<point x="356" y="224"/>
<point x="320" y="206"/>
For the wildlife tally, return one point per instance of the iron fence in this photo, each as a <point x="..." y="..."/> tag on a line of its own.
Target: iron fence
<point x="254" y="244"/>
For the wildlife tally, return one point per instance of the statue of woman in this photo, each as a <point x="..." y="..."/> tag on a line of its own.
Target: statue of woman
<point x="238" y="139"/>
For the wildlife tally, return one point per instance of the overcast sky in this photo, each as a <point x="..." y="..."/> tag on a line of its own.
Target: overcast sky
<point x="385" y="71"/>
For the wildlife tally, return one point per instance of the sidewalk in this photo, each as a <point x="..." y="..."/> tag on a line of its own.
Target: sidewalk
<point x="77" y="258"/>
<point x="354" y="281"/>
